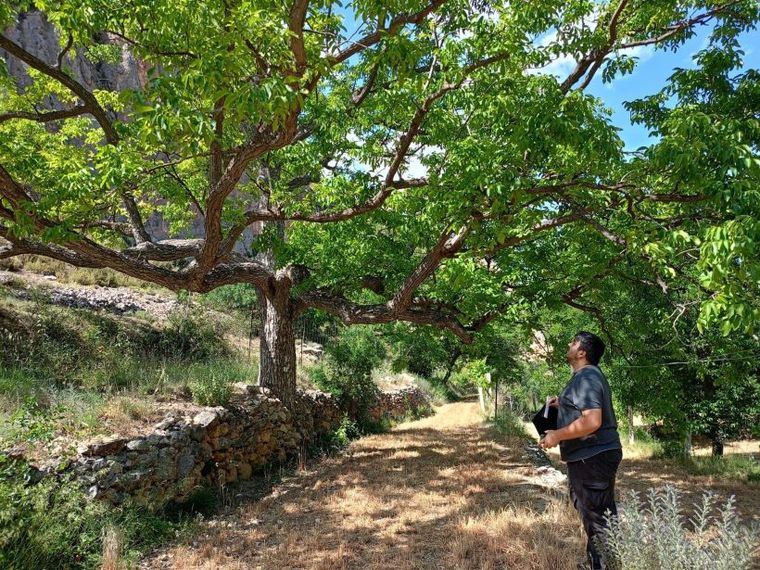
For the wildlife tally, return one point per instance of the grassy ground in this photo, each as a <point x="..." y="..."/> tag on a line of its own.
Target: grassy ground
<point x="445" y="491"/>
<point x="735" y="473"/>
<point x="72" y="373"/>
<point x="65" y="273"/>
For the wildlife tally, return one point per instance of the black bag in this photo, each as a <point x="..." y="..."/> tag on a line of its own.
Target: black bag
<point x="545" y="423"/>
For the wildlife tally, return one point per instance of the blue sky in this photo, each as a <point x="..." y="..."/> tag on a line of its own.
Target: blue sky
<point x="651" y="75"/>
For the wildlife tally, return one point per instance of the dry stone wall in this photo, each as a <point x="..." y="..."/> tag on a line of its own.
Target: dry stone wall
<point x="214" y="446"/>
<point x="396" y="405"/>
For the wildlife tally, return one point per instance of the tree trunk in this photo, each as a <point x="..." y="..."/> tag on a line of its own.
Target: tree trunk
<point x="631" y="427"/>
<point x="717" y="447"/>
<point x="277" y="367"/>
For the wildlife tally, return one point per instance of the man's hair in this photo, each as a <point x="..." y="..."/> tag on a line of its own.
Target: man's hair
<point x="592" y="344"/>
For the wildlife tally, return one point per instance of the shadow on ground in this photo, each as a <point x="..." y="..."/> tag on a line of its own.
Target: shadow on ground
<point x="444" y="492"/>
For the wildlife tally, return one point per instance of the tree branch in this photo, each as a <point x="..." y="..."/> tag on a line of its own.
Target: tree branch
<point x="590" y="64"/>
<point x="45" y="117"/>
<point x="89" y="100"/>
<point x="393" y="28"/>
<point x="448" y="245"/>
<point x="352" y="313"/>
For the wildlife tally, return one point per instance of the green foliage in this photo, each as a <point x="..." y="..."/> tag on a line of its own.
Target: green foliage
<point x="509" y="424"/>
<point x="239" y="296"/>
<point x="420" y="350"/>
<point x="655" y="535"/>
<point x="472" y="374"/>
<point x="83" y="348"/>
<point x="51" y="524"/>
<point x="346" y="369"/>
<point x="512" y="157"/>
<point x="347" y="431"/>
<point x="737" y="467"/>
<point x="190" y="335"/>
<point x="212" y="390"/>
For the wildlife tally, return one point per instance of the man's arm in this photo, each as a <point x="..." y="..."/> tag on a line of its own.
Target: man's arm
<point x="588" y="423"/>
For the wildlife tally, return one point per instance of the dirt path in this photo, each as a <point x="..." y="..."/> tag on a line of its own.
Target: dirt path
<point x="443" y="492"/>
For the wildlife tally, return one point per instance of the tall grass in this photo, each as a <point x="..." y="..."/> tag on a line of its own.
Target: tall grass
<point x="62" y="371"/>
<point x="51" y="524"/>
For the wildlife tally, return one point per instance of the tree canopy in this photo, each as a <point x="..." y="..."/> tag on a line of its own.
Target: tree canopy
<point x="399" y="161"/>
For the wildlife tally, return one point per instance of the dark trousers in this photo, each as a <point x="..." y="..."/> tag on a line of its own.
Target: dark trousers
<point x="592" y="490"/>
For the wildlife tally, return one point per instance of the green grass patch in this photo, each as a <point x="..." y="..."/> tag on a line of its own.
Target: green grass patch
<point x="738" y="467"/>
<point x="50" y="524"/>
<point x="509" y="424"/>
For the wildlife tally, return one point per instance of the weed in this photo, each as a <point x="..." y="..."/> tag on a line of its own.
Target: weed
<point x="509" y="424"/>
<point x="51" y="524"/>
<point x="654" y="534"/>
<point x="211" y="390"/>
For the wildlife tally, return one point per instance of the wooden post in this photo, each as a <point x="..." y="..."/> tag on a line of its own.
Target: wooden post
<point x="631" y="428"/>
<point x="482" y="399"/>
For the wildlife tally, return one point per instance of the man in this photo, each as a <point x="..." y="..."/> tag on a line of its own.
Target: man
<point x="588" y="438"/>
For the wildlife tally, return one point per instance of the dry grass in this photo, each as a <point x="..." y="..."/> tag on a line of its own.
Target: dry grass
<point x="442" y="492"/>
<point x="640" y="471"/>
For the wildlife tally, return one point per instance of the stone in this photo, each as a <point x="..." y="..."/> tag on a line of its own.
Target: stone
<point x="139" y="444"/>
<point x="102" y="447"/>
<point x="206" y="419"/>
<point x="185" y="464"/>
<point x="166" y="423"/>
<point x="157" y="440"/>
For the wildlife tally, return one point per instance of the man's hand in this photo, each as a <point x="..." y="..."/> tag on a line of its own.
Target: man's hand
<point x="550" y="439"/>
<point x="554" y="402"/>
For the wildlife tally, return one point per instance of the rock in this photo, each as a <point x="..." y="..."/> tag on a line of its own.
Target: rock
<point x="102" y="447"/>
<point x="185" y="464"/>
<point x="206" y="419"/>
<point x="166" y="423"/>
<point x="139" y="444"/>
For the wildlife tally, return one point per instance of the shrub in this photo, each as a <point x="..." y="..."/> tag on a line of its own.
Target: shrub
<point x="346" y="370"/>
<point x="655" y="535"/>
<point x="510" y="424"/>
<point x="211" y="390"/>
<point x="51" y="524"/>
<point x="238" y="296"/>
<point x="189" y="335"/>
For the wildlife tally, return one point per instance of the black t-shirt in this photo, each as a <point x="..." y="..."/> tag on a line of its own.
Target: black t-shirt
<point x="588" y="389"/>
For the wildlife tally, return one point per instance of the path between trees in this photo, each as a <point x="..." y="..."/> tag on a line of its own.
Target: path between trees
<point x="442" y="492"/>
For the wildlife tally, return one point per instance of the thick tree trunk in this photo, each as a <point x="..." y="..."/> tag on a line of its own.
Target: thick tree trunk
<point x="277" y="368"/>
<point x="717" y="447"/>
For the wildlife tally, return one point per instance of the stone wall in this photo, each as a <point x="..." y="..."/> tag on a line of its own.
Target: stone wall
<point x="400" y="404"/>
<point x="214" y="446"/>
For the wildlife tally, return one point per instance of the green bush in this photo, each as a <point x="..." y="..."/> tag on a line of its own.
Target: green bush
<point x="211" y="390"/>
<point x="509" y="424"/>
<point x="238" y="296"/>
<point x="346" y="370"/>
<point x="51" y="524"/>
<point x="189" y="335"/>
<point x="470" y="375"/>
<point x="655" y="535"/>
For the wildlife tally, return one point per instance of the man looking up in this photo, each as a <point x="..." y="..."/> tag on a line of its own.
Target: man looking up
<point x="588" y="438"/>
